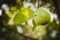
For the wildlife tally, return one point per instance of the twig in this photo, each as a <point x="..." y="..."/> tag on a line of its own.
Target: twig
<point x="21" y="34"/>
<point x="28" y="37"/>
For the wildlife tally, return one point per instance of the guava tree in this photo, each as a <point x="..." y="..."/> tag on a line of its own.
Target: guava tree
<point x="27" y="19"/>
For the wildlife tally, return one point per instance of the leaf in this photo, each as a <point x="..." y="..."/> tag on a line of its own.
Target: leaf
<point x="33" y="1"/>
<point x="20" y="3"/>
<point x="19" y="18"/>
<point x="27" y="12"/>
<point x="13" y="8"/>
<point x="39" y="31"/>
<point x="9" y="14"/>
<point x="23" y="15"/>
<point x="31" y="13"/>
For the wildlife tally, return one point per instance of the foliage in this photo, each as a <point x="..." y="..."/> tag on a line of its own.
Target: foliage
<point x="18" y="15"/>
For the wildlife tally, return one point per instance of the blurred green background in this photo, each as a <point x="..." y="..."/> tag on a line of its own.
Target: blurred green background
<point x="19" y="28"/>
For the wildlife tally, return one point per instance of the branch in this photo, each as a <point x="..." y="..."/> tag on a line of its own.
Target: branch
<point x="28" y="37"/>
<point x="22" y="34"/>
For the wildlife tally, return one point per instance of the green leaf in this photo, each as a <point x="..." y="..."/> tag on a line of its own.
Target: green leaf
<point x="33" y="1"/>
<point x="27" y="12"/>
<point x="31" y="13"/>
<point x="39" y="31"/>
<point x="13" y="8"/>
<point x="19" y="18"/>
<point x="9" y="14"/>
<point x="23" y="15"/>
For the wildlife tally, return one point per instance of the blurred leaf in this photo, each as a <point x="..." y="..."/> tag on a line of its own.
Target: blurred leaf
<point x="23" y="15"/>
<point x="19" y="18"/>
<point x="27" y="12"/>
<point x="33" y="1"/>
<point x="19" y="3"/>
<point x="39" y="31"/>
<point x="27" y="30"/>
<point x="9" y="14"/>
<point x="13" y="8"/>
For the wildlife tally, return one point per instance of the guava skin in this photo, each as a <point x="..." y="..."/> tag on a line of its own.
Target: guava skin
<point x="42" y="16"/>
